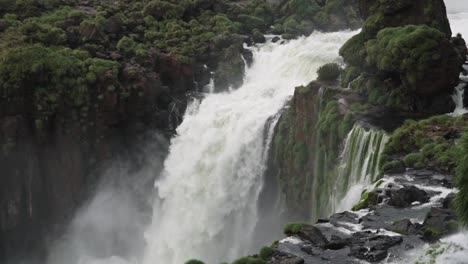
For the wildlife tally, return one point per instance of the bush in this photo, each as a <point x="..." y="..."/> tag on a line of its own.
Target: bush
<point x="194" y="261"/>
<point x="293" y="228"/>
<point x="266" y="253"/>
<point x="329" y="72"/>
<point x="249" y="260"/>
<point x="412" y="51"/>
<point x="461" y="199"/>
<point x="412" y="159"/>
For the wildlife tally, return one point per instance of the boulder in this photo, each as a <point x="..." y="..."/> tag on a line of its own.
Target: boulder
<point x="404" y="227"/>
<point x="405" y="196"/>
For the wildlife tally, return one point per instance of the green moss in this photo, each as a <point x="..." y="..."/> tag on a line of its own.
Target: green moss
<point x="303" y="8"/>
<point x="266" y="253"/>
<point x="293" y="228"/>
<point x="249" y="260"/>
<point x="409" y="50"/>
<point x="163" y="10"/>
<point x="432" y="233"/>
<point x="250" y="23"/>
<point x="423" y="144"/>
<point x="354" y="50"/>
<point x="413" y="158"/>
<point x="359" y="107"/>
<point x="367" y="199"/>
<point x="350" y="74"/>
<point x="460" y="203"/>
<point x="194" y="261"/>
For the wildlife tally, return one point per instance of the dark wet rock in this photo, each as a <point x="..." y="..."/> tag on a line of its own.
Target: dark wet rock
<point x="438" y="222"/>
<point x="345" y="217"/>
<point x="367" y="246"/>
<point x="287" y="260"/>
<point x="404" y="227"/>
<point x="276" y="39"/>
<point x="405" y="196"/>
<point x="248" y="56"/>
<point x="312" y="234"/>
<point x="448" y="200"/>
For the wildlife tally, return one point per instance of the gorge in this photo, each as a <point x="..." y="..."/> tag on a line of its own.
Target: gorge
<point x="358" y="167"/>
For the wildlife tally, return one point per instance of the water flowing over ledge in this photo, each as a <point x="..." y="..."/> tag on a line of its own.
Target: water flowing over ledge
<point x="359" y="167"/>
<point x="207" y="199"/>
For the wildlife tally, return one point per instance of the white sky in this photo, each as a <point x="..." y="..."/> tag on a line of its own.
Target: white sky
<point x="456" y="6"/>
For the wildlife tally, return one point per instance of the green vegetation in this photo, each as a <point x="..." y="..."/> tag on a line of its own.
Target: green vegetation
<point x="460" y="203"/>
<point x="249" y="260"/>
<point x="194" y="261"/>
<point x="293" y="228"/>
<point x="329" y="72"/>
<point x="427" y="143"/>
<point x="266" y="253"/>
<point x="368" y="199"/>
<point x="411" y="51"/>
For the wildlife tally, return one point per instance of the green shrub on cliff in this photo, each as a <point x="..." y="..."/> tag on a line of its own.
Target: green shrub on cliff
<point x="426" y="143"/>
<point x="303" y="8"/>
<point x="410" y="51"/>
<point x="61" y="77"/>
<point x="266" y="253"/>
<point x="194" y="261"/>
<point x="329" y="72"/>
<point x="460" y="203"/>
<point x="249" y="260"/>
<point x="293" y="228"/>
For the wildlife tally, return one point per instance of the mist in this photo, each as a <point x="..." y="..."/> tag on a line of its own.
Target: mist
<point x="110" y="227"/>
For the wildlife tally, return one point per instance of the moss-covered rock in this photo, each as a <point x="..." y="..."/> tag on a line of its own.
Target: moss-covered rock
<point x="421" y="56"/>
<point x="418" y="31"/>
<point x="425" y="144"/>
<point x="367" y="200"/>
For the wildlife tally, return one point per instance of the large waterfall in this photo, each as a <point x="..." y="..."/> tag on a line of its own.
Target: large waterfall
<point x="206" y="199"/>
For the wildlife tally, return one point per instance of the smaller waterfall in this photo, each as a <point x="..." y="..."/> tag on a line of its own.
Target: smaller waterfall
<point x="359" y="166"/>
<point x="210" y="87"/>
<point x="459" y="93"/>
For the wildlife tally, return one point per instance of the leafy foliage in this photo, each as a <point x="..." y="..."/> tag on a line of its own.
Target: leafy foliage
<point x="329" y="72"/>
<point x="460" y="203"/>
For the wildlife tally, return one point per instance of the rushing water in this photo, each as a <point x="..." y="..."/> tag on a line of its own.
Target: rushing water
<point x="206" y="206"/>
<point x="359" y="166"/>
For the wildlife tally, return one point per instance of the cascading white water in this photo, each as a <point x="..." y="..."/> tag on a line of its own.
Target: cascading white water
<point x="359" y="167"/>
<point x="458" y="22"/>
<point x="206" y="206"/>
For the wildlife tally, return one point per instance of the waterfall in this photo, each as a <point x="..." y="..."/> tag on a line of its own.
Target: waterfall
<point x="358" y="168"/>
<point x="206" y="204"/>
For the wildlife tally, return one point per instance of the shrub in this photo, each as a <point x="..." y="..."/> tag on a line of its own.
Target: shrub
<point x="126" y="45"/>
<point x="461" y="199"/>
<point x="249" y="260"/>
<point x="194" y="261"/>
<point x="411" y="50"/>
<point x="266" y="253"/>
<point x="412" y="159"/>
<point x="293" y="228"/>
<point x="329" y="72"/>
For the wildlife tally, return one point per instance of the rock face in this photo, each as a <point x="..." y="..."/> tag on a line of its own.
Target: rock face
<point x="301" y="140"/>
<point x="83" y="81"/>
<point x="47" y="171"/>
<point x="423" y="78"/>
<point x="355" y="237"/>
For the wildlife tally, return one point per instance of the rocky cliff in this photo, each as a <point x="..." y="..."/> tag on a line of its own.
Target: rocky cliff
<point x="82" y="83"/>
<point x="404" y="64"/>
